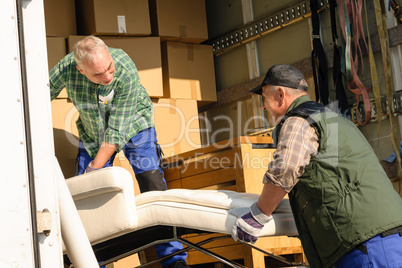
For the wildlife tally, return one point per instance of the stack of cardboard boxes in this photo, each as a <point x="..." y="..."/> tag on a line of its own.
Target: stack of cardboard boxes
<point x="163" y="39"/>
<point x="60" y="22"/>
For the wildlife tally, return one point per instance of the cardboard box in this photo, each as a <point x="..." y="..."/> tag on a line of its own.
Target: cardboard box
<point x="188" y="72"/>
<point x="118" y="17"/>
<point x="60" y="19"/>
<point x="65" y="135"/>
<point x="179" y="20"/>
<point x="127" y="262"/>
<point x="56" y="50"/>
<point x="65" y="132"/>
<point x="177" y="126"/>
<point x="146" y="54"/>
<point x="121" y="161"/>
<point x="67" y="166"/>
<point x="239" y="118"/>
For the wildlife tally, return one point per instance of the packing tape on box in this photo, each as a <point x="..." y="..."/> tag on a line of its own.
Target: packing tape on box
<point x="194" y="89"/>
<point x="121" y="24"/>
<point x="177" y="148"/>
<point x="172" y="110"/>
<point x="182" y="31"/>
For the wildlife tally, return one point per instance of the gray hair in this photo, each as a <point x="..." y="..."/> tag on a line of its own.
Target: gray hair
<point x="83" y="49"/>
<point x="291" y="91"/>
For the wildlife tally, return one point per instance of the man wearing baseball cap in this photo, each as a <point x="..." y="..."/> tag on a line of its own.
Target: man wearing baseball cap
<point x="346" y="210"/>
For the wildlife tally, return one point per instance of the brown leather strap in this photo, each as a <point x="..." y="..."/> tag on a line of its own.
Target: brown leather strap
<point x="362" y="248"/>
<point x="397" y="230"/>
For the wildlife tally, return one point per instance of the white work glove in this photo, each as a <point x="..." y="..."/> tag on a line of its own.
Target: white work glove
<point x="249" y="223"/>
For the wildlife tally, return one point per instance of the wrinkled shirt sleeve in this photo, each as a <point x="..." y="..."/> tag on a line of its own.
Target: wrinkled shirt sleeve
<point x="57" y="79"/>
<point x="297" y="143"/>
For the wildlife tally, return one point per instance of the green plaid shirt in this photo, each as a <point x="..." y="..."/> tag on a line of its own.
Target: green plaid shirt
<point x="115" y="121"/>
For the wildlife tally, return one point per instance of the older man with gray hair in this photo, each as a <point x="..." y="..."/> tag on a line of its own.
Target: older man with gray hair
<point x="346" y="211"/>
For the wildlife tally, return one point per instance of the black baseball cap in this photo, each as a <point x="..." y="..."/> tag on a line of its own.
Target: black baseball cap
<point x="282" y="75"/>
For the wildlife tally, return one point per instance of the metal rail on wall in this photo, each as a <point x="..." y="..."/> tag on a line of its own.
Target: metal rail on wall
<point x="260" y="27"/>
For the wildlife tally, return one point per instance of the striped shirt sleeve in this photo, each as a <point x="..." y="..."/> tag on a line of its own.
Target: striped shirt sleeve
<point x="297" y="143"/>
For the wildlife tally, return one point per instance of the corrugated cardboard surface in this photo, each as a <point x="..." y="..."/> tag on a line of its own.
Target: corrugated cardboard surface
<point x="60" y="17"/>
<point x="64" y="116"/>
<point x="127" y="262"/>
<point x="177" y="125"/>
<point x="101" y="17"/>
<point x="188" y="72"/>
<point x="65" y="135"/>
<point x="56" y="50"/>
<point x="121" y="161"/>
<point x="179" y="20"/>
<point x="68" y="167"/>
<point x="238" y="118"/>
<point x="146" y="54"/>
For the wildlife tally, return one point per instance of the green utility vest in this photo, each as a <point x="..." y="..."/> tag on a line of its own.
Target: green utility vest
<point x="344" y="197"/>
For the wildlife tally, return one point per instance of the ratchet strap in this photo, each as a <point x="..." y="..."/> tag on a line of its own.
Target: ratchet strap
<point x="374" y="82"/>
<point x="318" y="58"/>
<point x="350" y="19"/>
<point x="397" y="10"/>
<point x="386" y="60"/>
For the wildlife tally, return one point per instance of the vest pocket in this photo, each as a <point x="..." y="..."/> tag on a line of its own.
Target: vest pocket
<point x="322" y="229"/>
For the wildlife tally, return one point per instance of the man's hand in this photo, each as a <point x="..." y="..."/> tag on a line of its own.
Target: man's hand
<point x="90" y="168"/>
<point x="105" y="152"/>
<point x="249" y="223"/>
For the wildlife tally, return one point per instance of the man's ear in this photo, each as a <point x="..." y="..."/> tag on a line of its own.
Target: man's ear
<point x="281" y="93"/>
<point x="79" y="69"/>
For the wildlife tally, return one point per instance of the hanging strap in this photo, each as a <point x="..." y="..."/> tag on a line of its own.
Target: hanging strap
<point x="397" y="10"/>
<point x="318" y="58"/>
<point x="374" y="82"/>
<point x="347" y="8"/>
<point x="386" y="60"/>
<point x="341" y="97"/>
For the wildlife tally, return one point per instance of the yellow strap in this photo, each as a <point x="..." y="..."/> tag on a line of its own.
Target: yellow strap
<point x="374" y="82"/>
<point x="386" y="60"/>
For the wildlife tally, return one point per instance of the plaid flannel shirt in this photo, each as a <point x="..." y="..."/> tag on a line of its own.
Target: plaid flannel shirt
<point x="115" y="121"/>
<point x="297" y="143"/>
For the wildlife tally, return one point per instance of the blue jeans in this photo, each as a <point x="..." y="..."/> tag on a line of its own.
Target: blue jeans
<point x="144" y="155"/>
<point x="376" y="252"/>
